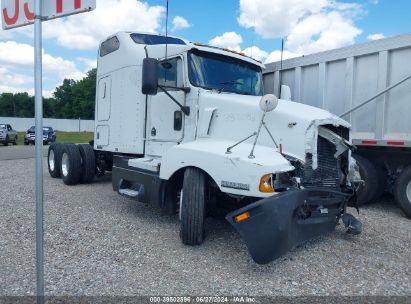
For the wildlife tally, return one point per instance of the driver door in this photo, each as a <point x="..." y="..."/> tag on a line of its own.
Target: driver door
<point x="166" y="120"/>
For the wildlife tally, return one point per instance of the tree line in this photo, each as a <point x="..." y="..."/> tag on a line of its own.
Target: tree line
<point x="72" y="99"/>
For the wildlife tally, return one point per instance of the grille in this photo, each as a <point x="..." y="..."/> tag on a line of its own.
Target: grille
<point x="327" y="173"/>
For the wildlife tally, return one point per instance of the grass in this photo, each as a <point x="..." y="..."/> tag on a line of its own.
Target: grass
<point x="64" y="137"/>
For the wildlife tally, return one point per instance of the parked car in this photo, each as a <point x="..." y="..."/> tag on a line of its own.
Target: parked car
<point x="49" y="135"/>
<point x="7" y="135"/>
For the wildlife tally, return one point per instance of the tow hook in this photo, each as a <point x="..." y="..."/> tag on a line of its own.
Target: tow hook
<point x="354" y="226"/>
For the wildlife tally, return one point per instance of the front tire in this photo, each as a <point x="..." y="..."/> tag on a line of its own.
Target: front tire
<point x="6" y="141"/>
<point x="70" y="164"/>
<point x="402" y="191"/>
<point x="193" y="207"/>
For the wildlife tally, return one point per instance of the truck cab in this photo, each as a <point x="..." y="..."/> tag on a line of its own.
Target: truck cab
<point x="188" y="127"/>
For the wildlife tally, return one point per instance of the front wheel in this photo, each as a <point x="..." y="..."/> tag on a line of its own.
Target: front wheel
<point x="6" y="141"/>
<point x="402" y="191"/>
<point x="193" y="207"/>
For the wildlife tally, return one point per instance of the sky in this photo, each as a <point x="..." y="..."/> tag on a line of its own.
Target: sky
<point x="255" y="27"/>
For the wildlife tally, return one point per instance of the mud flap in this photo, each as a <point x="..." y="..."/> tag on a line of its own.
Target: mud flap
<point x="278" y="223"/>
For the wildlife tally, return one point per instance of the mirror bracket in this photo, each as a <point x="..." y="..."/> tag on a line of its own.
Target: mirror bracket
<point x="185" y="109"/>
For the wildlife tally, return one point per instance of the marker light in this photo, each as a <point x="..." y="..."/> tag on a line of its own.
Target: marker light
<point x="242" y="217"/>
<point x="266" y="184"/>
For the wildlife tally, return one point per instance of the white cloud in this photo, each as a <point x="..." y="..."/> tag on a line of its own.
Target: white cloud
<point x="14" y="54"/>
<point x="275" y="18"/>
<point x="229" y="40"/>
<point x="17" y="64"/>
<point x="255" y="52"/>
<point x="87" y="63"/>
<point x="376" y="36"/>
<point x="85" y="31"/>
<point x="321" y="32"/>
<point x="276" y="56"/>
<point x="309" y="25"/>
<point x="180" y="23"/>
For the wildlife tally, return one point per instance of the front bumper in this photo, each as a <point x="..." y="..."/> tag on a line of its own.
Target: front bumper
<point x="280" y="222"/>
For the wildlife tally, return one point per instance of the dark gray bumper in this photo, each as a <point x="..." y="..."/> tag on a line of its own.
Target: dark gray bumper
<point x="280" y="222"/>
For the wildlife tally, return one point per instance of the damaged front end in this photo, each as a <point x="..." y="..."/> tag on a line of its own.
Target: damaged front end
<point x="310" y="206"/>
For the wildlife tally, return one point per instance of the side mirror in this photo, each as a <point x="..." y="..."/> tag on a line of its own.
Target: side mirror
<point x="149" y="84"/>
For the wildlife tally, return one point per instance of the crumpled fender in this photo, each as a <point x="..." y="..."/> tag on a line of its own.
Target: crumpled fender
<point x="278" y="223"/>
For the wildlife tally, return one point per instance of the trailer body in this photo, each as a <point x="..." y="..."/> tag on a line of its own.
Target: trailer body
<point x="341" y="79"/>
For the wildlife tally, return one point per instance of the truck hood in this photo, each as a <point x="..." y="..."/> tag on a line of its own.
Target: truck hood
<point x="233" y="117"/>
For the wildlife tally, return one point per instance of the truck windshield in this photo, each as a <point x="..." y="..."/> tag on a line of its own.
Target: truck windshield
<point x="225" y="74"/>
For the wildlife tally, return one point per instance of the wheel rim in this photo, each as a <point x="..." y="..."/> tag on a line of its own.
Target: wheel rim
<point x="51" y="160"/>
<point x="64" y="164"/>
<point x="409" y="191"/>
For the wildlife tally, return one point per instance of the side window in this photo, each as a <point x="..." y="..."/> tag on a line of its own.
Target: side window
<point x="9" y="127"/>
<point x="109" y="46"/>
<point x="168" y="73"/>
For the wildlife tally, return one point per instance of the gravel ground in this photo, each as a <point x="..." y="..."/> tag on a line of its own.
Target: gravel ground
<point x="99" y="243"/>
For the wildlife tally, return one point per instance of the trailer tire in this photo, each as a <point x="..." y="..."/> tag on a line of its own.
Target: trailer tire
<point x="54" y="160"/>
<point x="373" y="186"/>
<point x="88" y="163"/>
<point x="70" y="164"/>
<point x="193" y="207"/>
<point x="402" y="191"/>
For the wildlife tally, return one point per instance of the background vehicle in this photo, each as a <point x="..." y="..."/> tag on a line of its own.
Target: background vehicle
<point x="370" y="86"/>
<point x="187" y="126"/>
<point x="7" y="135"/>
<point x="49" y="136"/>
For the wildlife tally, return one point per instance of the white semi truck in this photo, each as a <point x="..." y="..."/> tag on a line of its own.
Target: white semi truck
<point x="188" y="127"/>
<point x="369" y="85"/>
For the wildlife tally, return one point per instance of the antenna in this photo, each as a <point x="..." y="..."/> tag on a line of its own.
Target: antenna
<point x="166" y="30"/>
<point x="281" y="66"/>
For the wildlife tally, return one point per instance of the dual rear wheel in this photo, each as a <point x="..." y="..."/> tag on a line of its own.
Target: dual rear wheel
<point x="73" y="163"/>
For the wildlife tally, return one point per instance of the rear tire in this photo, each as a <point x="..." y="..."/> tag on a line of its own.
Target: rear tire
<point x="193" y="207"/>
<point x="373" y="186"/>
<point x="54" y="160"/>
<point x="70" y="164"/>
<point x="15" y="141"/>
<point x="402" y="191"/>
<point x="88" y="163"/>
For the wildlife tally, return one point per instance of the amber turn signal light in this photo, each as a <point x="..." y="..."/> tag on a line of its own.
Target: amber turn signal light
<point x="242" y="217"/>
<point x="266" y="185"/>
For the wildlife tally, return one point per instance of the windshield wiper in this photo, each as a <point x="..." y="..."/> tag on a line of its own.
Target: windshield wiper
<point x="232" y="82"/>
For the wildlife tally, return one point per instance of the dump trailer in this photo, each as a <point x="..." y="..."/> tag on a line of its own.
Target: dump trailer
<point x="368" y="85"/>
<point x="188" y="127"/>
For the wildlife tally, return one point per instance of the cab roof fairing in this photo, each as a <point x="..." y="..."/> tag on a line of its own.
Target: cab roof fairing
<point x="176" y="49"/>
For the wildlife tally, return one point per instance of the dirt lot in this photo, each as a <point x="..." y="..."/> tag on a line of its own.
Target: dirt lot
<point x="99" y="243"/>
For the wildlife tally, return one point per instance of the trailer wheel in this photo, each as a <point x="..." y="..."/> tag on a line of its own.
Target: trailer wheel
<point x="193" y="207"/>
<point x="54" y="160"/>
<point x="70" y="164"/>
<point x="373" y="186"/>
<point x="402" y="191"/>
<point x="88" y="163"/>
